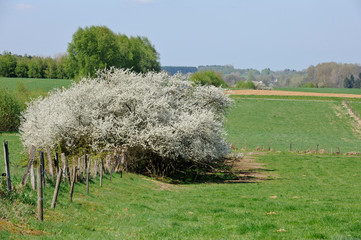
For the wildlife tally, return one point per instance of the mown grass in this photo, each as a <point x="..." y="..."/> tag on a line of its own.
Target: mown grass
<point x="279" y="122"/>
<point x="309" y="196"/>
<point x="312" y="197"/>
<point x="355" y="106"/>
<point x="34" y="84"/>
<point x="324" y="90"/>
<point x="15" y="151"/>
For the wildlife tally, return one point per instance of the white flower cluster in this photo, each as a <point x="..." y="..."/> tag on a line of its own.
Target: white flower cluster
<point x="119" y="109"/>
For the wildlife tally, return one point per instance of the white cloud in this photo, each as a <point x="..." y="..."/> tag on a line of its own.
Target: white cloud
<point x="23" y="7"/>
<point x="141" y="1"/>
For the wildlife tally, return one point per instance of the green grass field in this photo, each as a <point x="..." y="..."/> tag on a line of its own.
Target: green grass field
<point x="303" y="123"/>
<point x="324" y="90"/>
<point x="35" y="83"/>
<point x="356" y="107"/>
<point x="311" y="197"/>
<point x="307" y="196"/>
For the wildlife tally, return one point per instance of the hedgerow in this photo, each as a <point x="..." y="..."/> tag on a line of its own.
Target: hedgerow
<point x="155" y="119"/>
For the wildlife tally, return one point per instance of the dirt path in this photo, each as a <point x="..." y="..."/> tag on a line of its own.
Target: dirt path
<point x="353" y="115"/>
<point x="290" y="93"/>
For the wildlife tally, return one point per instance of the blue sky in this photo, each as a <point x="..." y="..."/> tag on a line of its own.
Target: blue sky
<point x="257" y="34"/>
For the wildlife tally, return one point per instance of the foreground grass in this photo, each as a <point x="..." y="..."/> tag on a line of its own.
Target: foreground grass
<point x="15" y="150"/>
<point x="303" y="123"/>
<point x="324" y="90"/>
<point x="312" y="197"/>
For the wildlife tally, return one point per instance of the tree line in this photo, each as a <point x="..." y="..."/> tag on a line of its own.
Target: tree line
<point x="92" y="48"/>
<point x="351" y="82"/>
<point x="330" y="74"/>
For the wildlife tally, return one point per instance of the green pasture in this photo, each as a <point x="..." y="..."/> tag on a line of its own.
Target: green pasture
<point x="356" y="107"/>
<point x="308" y="197"/>
<point x="305" y="196"/>
<point x="34" y="84"/>
<point x="279" y="122"/>
<point x="324" y="90"/>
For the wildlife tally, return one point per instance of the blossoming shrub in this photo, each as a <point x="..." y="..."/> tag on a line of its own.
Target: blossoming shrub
<point x="156" y="119"/>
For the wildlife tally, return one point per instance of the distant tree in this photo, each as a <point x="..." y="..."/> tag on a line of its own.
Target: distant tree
<point x="357" y="83"/>
<point x="21" y="70"/>
<point x="7" y="65"/>
<point x="181" y="69"/>
<point x="246" y="85"/>
<point x="36" y="69"/>
<point x="349" y="82"/>
<point x="346" y="83"/>
<point x="50" y="68"/>
<point x="266" y="71"/>
<point x="208" y="78"/>
<point x="251" y="76"/>
<point x="232" y="78"/>
<point x="352" y="81"/>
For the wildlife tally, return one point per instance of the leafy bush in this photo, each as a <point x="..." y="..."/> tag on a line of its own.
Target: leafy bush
<point x="309" y="85"/>
<point x="155" y="119"/>
<point x="208" y="78"/>
<point x="246" y="85"/>
<point x="9" y="111"/>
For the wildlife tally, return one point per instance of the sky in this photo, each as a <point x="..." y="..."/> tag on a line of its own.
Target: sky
<point x="276" y="34"/>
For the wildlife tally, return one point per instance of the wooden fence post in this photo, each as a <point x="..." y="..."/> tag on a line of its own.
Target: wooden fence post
<point x="41" y="163"/>
<point x="40" y="190"/>
<point x="121" y="165"/>
<point x="50" y="160"/>
<point x="87" y="174"/>
<point x="317" y="148"/>
<point x="108" y="162"/>
<point x="72" y="185"/>
<point x="67" y="169"/>
<point x="56" y="162"/>
<point x="95" y="168"/>
<point x="7" y="165"/>
<point x="85" y="165"/>
<point x="32" y="177"/>
<point x="56" y="191"/>
<point x="110" y="167"/>
<point x="30" y="163"/>
<point x="63" y="166"/>
<point x="290" y="147"/>
<point x="101" y="171"/>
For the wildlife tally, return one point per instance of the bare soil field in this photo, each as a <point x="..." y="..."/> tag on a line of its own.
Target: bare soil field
<point x="290" y="93"/>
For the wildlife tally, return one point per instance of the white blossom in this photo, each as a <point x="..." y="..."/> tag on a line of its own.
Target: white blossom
<point x="167" y="115"/>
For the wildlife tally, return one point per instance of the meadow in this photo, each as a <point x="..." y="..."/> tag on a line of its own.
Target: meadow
<point x="304" y="123"/>
<point x="34" y="84"/>
<point x="308" y="197"/>
<point x="324" y="90"/>
<point x="304" y="196"/>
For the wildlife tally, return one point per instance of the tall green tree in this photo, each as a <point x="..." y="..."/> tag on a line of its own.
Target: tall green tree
<point x="97" y="47"/>
<point x="36" y="68"/>
<point x="93" y="48"/>
<point x="7" y="65"/>
<point x="208" y="78"/>
<point x="22" y="68"/>
<point x="144" y="57"/>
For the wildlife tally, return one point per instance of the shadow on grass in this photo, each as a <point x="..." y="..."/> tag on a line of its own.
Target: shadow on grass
<point x="230" y="170"/>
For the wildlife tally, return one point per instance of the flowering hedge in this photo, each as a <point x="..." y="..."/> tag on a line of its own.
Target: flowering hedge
<point x="167" y="116"/>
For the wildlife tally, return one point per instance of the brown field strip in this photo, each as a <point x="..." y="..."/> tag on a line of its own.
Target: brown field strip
<point x="290" y="93"/>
